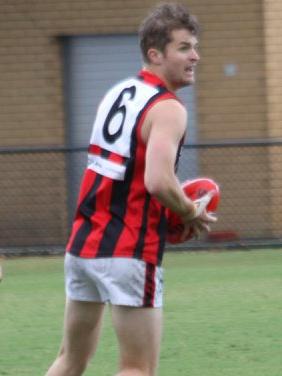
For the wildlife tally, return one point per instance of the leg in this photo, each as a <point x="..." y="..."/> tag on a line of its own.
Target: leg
<point x="139" y="334"/>
<point x="81" y="333"/>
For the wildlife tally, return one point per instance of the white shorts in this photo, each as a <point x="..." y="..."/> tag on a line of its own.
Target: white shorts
<point x="118" y="281"/>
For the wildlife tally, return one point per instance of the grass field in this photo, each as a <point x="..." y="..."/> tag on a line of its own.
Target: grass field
<point x="223" y="316"/>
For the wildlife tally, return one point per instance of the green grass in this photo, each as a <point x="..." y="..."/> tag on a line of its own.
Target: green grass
<point x="223" y="316"/>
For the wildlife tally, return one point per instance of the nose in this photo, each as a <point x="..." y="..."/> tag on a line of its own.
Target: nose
<point x="194" y="55"/>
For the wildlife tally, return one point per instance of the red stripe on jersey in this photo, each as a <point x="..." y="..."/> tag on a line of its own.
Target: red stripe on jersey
<point x="87" y="183"/>
<point x="87" y="230"/>
<point x="99" y="219"/>
<point x="150" y="286"/>
<point x="114" y="157"/>
<point x="94" y="149"/>
<point x="132" y="218"/>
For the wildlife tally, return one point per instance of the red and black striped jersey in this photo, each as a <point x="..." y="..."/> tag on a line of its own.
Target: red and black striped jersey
<point x="116" y="216"/>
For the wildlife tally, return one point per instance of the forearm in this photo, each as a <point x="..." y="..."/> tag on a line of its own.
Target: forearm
<point x="169" y="193"/>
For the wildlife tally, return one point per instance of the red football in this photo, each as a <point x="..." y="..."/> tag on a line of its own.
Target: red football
<point x="194" y="189"/>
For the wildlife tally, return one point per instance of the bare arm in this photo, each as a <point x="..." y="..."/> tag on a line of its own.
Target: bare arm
<point x="163" y="129"/>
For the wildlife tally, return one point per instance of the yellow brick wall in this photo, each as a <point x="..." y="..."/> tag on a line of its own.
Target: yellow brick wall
<point x="272" y="13"/>
<point x="241" y="34"/>
<point x="31" y="93"/>
<point x="273" y="61"/>
<point x="231" y="106"/>
<point x="235" y="107"/>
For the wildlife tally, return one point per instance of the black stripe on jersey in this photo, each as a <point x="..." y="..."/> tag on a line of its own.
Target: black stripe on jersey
<point x="150" y="286"/>
<point x="105" y="153"/>
<point x="140" y="242"/>
<point x="178" y="154"/>
<point x="115" y="226"/>
<point x="87" y="209"/>
<point x="162" y="235"/>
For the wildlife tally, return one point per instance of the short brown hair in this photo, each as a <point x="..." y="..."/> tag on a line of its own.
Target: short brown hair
<point x="155" y="30"/>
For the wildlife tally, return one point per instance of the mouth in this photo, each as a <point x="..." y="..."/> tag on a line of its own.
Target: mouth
<point x="190" y="69"/>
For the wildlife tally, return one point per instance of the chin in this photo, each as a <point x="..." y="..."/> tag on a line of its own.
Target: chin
<point x="183" y="83"/>
<point x="186" y="83"/>
<point x="190" y="81"/>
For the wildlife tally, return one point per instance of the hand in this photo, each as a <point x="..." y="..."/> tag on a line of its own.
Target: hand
<point x="202" y="203"/>
<point x="201" y="219"/>
<point x="196" y="226"/>
<point x="198" y="207"/>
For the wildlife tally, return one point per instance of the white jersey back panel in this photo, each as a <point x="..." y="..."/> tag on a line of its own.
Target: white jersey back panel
<point x="115" y="121"/>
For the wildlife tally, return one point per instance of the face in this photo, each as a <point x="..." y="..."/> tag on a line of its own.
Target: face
<point x="179" y="60"/>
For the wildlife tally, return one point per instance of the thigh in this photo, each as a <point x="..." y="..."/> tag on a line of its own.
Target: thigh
<point x="79" y="285"/>
<point x="139" y="332"/>
<point x="81" y="328"/>
<point x="134" y="283"/>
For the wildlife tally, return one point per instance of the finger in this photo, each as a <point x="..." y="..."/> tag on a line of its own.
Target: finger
<point x="195" y="228"/>
<point x="205" y="227"/>
<point x="202" y="202"/>
<point x="200" y="227"/>
<point x="196" y="233"/>
<point x="208" y="217"/>
<point x="186" y="233"/>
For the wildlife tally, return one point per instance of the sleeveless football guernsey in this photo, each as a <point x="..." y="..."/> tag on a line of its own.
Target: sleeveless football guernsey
<point x="116" y="216"/>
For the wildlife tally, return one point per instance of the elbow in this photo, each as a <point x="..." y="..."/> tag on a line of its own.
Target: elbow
<point x="154" y="185"/>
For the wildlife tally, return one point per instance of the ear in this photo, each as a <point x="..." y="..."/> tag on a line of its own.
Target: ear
<point x="155" y="56"/>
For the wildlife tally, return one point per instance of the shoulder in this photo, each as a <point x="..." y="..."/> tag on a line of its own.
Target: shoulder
<point x="167" y="117"/>
<point x="168" y="112"/>
<point x="168" y="107"/>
